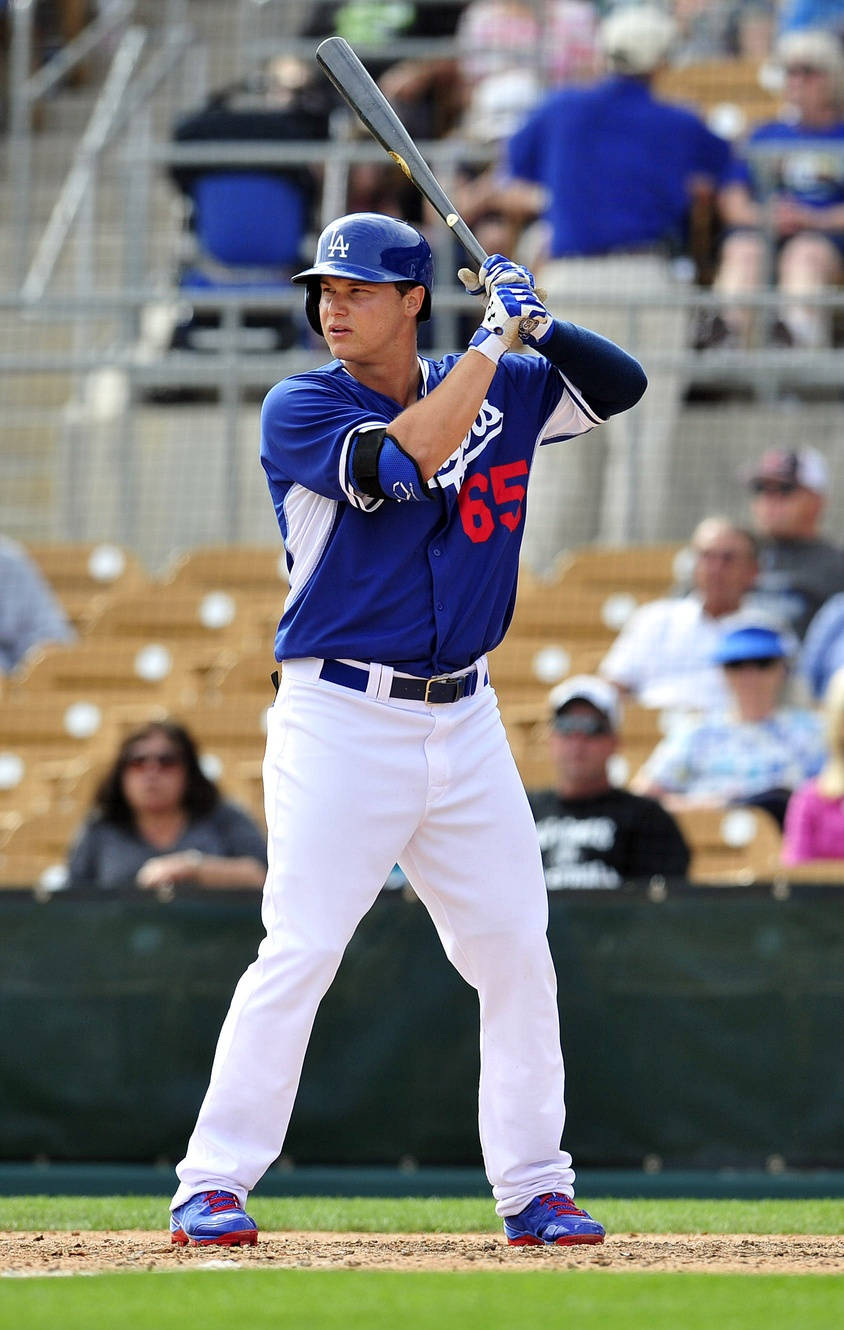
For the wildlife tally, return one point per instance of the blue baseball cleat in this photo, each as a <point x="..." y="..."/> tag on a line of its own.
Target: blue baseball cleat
<point x="552" y="1220"/>
<point x="212" y="1218"/>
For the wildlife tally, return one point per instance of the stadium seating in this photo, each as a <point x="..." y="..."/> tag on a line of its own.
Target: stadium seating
<point x="35" y="853"/>
<point x="197" y="644"/>
<point x="736" y="845"/>
<point x="711" y="84"/>
<point x="85" y="575"/>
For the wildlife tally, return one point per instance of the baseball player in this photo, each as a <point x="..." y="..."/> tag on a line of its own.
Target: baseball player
<point x="399" y="484"/>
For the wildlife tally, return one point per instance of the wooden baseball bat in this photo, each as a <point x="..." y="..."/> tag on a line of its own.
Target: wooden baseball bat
<point x="357" y="87"/>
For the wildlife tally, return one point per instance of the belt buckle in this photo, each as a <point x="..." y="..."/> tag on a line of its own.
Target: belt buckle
<point x="438" y="678"/>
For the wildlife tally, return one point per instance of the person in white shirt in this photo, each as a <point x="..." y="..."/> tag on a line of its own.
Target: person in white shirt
<point x="662" y="657"/>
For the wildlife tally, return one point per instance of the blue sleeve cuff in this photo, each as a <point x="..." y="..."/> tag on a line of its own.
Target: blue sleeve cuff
<point x="607" y="377"/>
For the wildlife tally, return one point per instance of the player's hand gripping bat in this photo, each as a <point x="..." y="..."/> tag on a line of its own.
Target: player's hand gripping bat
<point x="357" y="87"/>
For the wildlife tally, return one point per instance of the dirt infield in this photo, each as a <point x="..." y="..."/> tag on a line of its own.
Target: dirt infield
<point x="84" y="1252"/>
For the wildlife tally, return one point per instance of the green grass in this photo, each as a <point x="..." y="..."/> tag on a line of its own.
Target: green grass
<point x="431" y="1214"/>
<point x="349" y="1300"/>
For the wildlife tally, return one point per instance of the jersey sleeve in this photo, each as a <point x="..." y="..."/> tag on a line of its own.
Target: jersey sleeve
<point x="307" y="429"/>
<point x="559" y="409"/>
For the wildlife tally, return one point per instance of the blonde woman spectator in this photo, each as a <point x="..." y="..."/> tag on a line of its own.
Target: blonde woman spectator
<point x="814" y="818"/>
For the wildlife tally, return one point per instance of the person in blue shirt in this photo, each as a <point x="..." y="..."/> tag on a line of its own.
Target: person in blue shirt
<point x="822" y="652"/>
<point x="796" y="15"/>
<point x="791" y="200"/>
<point x="614" y="174"/>
<point x="399" y="483"/>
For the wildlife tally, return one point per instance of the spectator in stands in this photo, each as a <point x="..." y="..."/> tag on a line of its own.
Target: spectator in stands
<point x="798" y="569"/>
<point x="814" y="817"/>
<point x="793" y="201"/>
<point x="158" y="821"/>
<point x="796" y="15"/>
<point x="614" y="173"/>
<point x="509" y="54"/>
<point x="822" y="653"/>
<point x="718" y="29"/>
<point x="425" y="92"/>
<point x="591" y="833"/>
<point x="663" y="654"/>
<point x="30" y="615"/>
<point x="755" y="753"/>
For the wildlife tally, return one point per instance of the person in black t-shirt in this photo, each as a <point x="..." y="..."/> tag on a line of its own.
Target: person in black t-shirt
<point x="592" y="833"/>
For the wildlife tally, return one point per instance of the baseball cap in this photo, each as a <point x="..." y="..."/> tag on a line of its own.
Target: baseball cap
<point x="813" y="48"/>
<point x="587" y="688"/>
<point x="636" y="38"/>
<point x="752" y="642"/>
<point x="805" y="466"/>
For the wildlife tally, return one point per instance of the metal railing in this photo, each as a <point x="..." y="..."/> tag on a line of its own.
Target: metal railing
<point x="27" y="89"/>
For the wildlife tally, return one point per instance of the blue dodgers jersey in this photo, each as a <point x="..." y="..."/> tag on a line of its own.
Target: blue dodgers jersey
<point x="428" y="585"/>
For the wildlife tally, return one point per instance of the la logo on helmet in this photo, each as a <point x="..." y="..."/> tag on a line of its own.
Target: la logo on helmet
<point x="338" y="245"/>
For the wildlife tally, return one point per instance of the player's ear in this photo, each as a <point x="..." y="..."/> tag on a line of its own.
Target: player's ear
<point x="413" y="299"/>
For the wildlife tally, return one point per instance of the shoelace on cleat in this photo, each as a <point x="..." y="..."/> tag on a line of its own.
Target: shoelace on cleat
<point x="221" y="1200"/>
<point x="559" y="1204"/>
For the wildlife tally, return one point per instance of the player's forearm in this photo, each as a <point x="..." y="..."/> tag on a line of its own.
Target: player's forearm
<point x="609" y="378"/>
<point x="432" y="429"/>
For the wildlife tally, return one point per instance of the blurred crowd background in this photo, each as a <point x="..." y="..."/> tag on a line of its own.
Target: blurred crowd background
<point x="674" y="173"/>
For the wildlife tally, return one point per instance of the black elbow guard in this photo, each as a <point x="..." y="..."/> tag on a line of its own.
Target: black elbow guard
<point x="381" y="469"/>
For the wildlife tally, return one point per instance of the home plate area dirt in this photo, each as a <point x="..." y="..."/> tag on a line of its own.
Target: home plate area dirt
<point x="85" y="1252"/>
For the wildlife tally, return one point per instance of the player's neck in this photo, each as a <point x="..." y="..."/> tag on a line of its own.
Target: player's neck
<point x="396" y="377"/>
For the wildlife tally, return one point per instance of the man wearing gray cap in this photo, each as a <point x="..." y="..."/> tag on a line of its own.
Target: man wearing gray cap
<point x="798" y="569"/>
<point x="591" y="833"/>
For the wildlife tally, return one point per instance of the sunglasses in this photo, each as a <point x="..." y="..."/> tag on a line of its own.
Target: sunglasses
<point x="163" y="761"/>
<point x="803" y="71"/>
<point x="773" y="487"/>
<point x="756" y="663"/>
<point x="590" y="726"/>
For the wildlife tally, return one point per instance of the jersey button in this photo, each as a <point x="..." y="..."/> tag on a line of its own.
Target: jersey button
<point x="436" y="552"/>
<point x="440" y="605"/>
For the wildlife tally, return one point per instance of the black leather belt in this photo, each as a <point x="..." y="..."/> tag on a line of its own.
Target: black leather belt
<point x="443" y="688"/>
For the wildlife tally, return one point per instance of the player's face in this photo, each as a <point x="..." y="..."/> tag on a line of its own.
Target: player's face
<point x="363" y="321"/>
<point x="154" y="775"/>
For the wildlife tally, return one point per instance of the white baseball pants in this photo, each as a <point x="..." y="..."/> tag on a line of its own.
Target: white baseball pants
<point x="353" y="784"/>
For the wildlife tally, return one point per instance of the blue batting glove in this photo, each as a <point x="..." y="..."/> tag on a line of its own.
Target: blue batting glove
<point x="495" y="271"/>
<point x="510" y="309"/>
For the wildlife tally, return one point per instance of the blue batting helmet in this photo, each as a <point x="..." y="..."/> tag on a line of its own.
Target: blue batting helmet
<point x="372" y="248"/>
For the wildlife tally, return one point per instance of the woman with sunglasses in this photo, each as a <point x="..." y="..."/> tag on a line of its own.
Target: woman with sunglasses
<point x="756" y="752"/>
<point x="158" y="821"/>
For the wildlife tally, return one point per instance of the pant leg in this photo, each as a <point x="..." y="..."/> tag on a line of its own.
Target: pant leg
<point x="474" y="861"/>
<point x="345" y="782"/>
